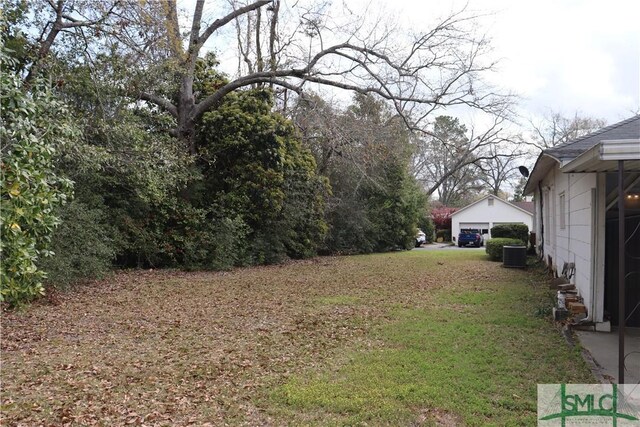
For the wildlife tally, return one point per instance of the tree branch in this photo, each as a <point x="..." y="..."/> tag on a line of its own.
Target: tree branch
<point x="58" y="25"/>
<point x="218" y="23"/>
<point x="159" y="101"/>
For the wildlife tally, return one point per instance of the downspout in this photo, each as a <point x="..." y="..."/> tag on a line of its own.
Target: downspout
<point x="594" y="250"/>
<point x="568" y="224"/>
<point x="621" y="271"/>
<point x="541" y="220"/>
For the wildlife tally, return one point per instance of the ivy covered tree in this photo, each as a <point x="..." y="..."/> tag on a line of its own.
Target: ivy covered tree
<point x="34" y="125"/>
<point x="254" y="165"/>
<point x="247" y="195"/>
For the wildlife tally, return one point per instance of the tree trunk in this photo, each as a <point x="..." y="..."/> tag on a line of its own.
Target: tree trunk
<point x="45" y="47"/>
<point x="186" y="107"/>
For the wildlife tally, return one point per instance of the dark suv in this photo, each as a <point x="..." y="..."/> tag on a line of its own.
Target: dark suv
<point x="470" y="236"/>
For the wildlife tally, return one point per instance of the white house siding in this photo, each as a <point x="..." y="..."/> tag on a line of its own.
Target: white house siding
<point x="599" y="235"/>
<point x="576" y="242"/>
<point x="481" y="213"/>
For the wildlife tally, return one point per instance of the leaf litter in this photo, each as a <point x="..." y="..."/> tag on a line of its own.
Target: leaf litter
<point x="183" y="348"/>
<point x="165" y="348"/>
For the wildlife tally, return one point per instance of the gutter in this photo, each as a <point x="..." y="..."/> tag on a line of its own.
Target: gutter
<point x="594" y="249"/>
<point x="541" y="220"/>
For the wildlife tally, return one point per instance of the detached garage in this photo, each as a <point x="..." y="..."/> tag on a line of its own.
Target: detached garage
<point x="489" y="211"/>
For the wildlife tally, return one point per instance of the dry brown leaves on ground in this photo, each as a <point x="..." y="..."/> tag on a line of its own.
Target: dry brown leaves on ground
<point x="174" y="348"/>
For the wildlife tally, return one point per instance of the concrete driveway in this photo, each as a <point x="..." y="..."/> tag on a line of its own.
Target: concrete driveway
<point x="447" y="246"/>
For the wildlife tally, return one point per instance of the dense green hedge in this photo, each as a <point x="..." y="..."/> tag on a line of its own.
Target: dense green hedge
<point x="512" y="231"/>
<point x="445" y="234"/>
<point x="494" y="246"/>
<point x="84" y="245"/>
<point x="34" y="126"/>
<point x="427" y="226"/>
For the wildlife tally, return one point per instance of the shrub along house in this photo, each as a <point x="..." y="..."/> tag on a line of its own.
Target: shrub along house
<point x="483" y="214"/>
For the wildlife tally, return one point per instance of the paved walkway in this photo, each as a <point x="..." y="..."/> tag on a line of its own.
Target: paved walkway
<point x="603" y="346"/>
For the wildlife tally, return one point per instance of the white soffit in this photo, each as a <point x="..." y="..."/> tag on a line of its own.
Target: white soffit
<point x="604" y="157"/>
<point x="620" y="149"/>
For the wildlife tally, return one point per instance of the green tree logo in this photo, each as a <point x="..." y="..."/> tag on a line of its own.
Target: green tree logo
<point x="586" y="403"/>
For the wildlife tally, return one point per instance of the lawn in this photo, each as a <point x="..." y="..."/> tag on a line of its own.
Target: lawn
<point x="407" y="338"/>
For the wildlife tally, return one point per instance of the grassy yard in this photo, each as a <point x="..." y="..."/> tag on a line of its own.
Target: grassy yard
<point x="411" y="338"/>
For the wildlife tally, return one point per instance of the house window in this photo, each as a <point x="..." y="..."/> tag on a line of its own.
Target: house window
<point x="563" y="211"/>
<point x="490" y="201"/>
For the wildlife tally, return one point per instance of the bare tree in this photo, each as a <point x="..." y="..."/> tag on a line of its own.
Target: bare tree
<point x="62" y="16"/>
<point x="447" y="158"/>
<point x="555" y="129"/>
<point x="361" y="139"/>
<point x="499" y="166"/>
<point x="324" y="130"/>
<point x="417" y="73"/>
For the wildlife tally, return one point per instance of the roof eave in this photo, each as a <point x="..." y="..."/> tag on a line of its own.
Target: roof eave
<point x="495" y="197"/>
<point x="543" y="164"/>
<point x="604" y="157"/>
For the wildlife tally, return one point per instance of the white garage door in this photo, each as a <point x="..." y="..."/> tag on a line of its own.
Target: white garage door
<point x="475" y="226"/>
<point x="484" y="226"/>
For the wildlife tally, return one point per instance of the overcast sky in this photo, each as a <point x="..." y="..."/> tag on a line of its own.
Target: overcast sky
<point x="565" y="55"/>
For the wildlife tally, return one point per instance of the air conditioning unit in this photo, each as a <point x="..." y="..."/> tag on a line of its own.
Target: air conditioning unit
<point x="514" y="256"/>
